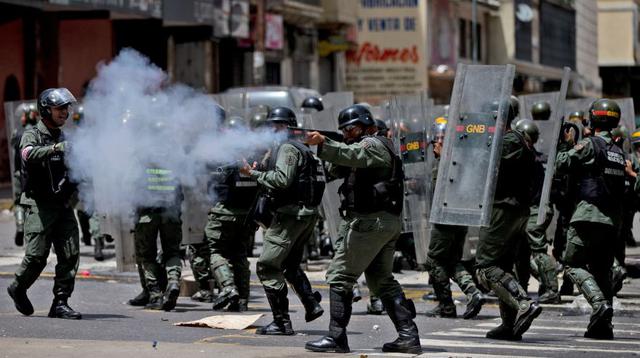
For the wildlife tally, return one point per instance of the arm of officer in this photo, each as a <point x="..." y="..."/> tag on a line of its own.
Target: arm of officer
<point x="283" y="174"/>
<point x="368" y="153"/>
<point x="33" y="152"/>
<point x="581" y="154"/>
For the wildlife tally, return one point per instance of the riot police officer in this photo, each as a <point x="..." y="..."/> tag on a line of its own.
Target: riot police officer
<point x="28" y="114"/>
<point x="372" y="199"/>
<point x="229" y="232"/>
<point x="498" y="242"/>
<point x="532" y="252"/>
<point x="49" y="214"/>
<point x="599" y="167"/>
<point x="292" y="186"/>
<point x="160" y="215"/>
<point x="445" y="255"/>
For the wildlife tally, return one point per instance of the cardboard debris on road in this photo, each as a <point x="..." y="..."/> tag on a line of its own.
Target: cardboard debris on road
<point x="223" y="321"/>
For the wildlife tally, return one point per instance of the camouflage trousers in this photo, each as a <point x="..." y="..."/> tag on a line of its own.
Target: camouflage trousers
<point x="283" y="247"/>
<point x="496" y="252"/>
<point x="533" y="257"/>
<point x="150" y="224"/>
<point x="200" y="266"/>
<point x="366" y="244"/>
<point x="43" y="227"/>
<point x="228" y="238"/>
<point x="588" y="259"/>
<point x="443" y="262"/>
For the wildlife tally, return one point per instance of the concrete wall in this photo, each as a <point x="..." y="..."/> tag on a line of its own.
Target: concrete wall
<point x="83" y="44"/>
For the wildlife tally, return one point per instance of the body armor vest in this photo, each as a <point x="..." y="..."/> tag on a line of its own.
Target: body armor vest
<point x="235" y="190"/>
<point x="603" y="184"/>
<point x="163" y="187"/>
<point x="49" y="179"/>
<point x="307" y="187"/>
<point x="364" y="191"/>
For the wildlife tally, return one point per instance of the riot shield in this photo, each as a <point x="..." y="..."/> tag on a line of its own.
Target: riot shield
<point x="547" y="136"/>
<point x="327" y="119"/>
<point x="412" y="113"/>
<point x="12" y="113"/>
<point x="473" y="144"/>
<point x="552" y="145"/>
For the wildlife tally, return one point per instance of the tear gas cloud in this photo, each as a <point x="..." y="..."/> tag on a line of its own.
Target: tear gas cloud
<point x="134" y="119"/>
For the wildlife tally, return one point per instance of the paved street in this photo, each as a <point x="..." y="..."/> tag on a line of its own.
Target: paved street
<point x="110" y="327"/>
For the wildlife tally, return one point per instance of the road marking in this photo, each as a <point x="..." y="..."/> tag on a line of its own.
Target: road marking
<point x="585" y="322"/>
<point x="563" y="328"/>
<point x="520" y="346"/>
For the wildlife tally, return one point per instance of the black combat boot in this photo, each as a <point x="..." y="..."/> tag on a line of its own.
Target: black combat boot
<point x="98" y="255"/>
<point x="60" y="309"/>
<point x="229" y="291"/>
<point x="204" y="293"/>
<point x="356" y="294"/>
<point x="445" y="308"/>
<point x="239" y="305"/>
<point x="474" y="305"/>
<point x="402" y="312"/>
<point x="19" y="238"/>
<point x="281" y="325"/>
<point x="340" y="311"/>
<point x="170" y="298"/>
<point x="600" y="326"/>
<point x="375" y="306"/>
<point x="505" y="330"/>
<point x="20" y="299"/>
<point x="302" y="287"/>
<point x="141" y="299"/>
<point x="156" y="298"/>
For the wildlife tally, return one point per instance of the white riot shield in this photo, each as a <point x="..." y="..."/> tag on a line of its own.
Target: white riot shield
<point x="327" y="119"/>
<point x="470" y="159"/>
<point x="552" y="146"/>
<point x="12" y="112"/>
<point x="418" y="161"/>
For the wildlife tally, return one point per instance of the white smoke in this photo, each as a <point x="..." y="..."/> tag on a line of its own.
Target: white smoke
<point x="134" y="118"/>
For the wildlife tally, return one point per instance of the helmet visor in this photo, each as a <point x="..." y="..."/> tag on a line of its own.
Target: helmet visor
<point x="59" y="97"/>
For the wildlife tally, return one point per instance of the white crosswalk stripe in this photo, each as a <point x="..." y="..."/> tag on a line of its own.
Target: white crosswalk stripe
<point x="546" y="337"/>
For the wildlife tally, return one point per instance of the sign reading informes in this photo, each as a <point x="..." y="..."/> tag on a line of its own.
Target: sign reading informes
<point x="390" y="56"/>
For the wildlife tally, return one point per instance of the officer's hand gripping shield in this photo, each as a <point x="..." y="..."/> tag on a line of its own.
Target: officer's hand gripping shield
<point x="473" y="144"/>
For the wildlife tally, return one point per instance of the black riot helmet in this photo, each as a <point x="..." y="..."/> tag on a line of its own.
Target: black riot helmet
<point x="355" y="114"/>
<point x="313" y="103"/>
<point x="383" y="129"/>
<point x="604" y="114"/>
<point x="282" y="115"/>
<point x="541" y="111"/>
<point x="512" y="110"/>
<point x="53" y="97"/>
<point x="529" y="129"/>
